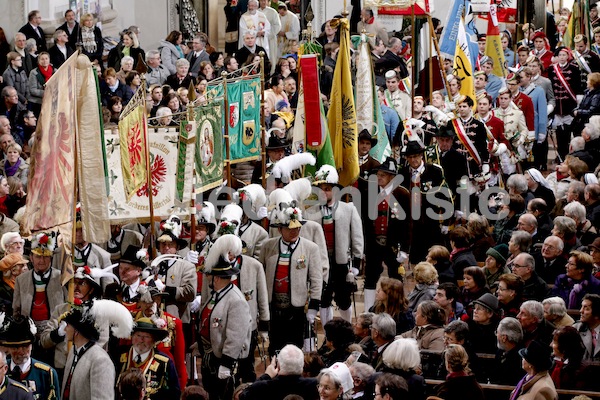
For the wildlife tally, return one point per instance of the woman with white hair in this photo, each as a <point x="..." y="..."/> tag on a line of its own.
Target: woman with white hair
<point x="126" y="67"/>
<point x="555" y="311"/>
<point x="402" y="358"/>
<point x="335" y="382"/>
<point x="586" y="232"/>
<point x="180" y="78"/>
<point x="517" y="184"/>
<point x="12" y="242"/>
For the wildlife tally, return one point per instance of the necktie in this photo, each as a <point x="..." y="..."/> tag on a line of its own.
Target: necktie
<point x="16" y="374"/>
<point x="138" y="359"/>
<point x="126" y="296"/>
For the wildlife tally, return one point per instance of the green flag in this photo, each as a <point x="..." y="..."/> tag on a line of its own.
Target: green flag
<point x="243" y="117"/>
<point x="209" y="146"/>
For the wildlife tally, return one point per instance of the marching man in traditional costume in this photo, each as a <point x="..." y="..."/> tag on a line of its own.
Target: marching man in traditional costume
<point x="86" y="287"/>
<point x="131" y="266"/>
<point x="395" y="97"/>
<point x="39" y="291"/>
<point x="9" y="389"/>
<point x="515" y="127"/>
<point x="587" y="60"/>
<point x="344" y="238"/>
<point x="150" y="305"/>
<point x="225" y="320"/>
<point x="87" y="253"/>
<point x="159" y="370"/>
<point x="386" y="236"/>
<point x="253" y="200"/>
<point x="294" y="277"/>
<point x="421" y="178"/>
<point x="252" y="283"/>
<point x="40" y="378"/>
<point x="89" y="372"/>
<point x="178" y="274"/>
<point x="472" y="138"/>
<point x="120" y="239"/>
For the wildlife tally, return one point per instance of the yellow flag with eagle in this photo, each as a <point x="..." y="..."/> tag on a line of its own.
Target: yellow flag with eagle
<point x="342" y="111"/>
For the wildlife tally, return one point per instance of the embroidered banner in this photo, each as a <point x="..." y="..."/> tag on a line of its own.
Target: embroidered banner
<point x="163" y="167"/>
<point x="209" y="146"/>
<point x="243" y="117"/>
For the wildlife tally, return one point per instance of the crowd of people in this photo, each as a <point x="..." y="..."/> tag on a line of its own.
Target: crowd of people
<point x="506" y="282"/>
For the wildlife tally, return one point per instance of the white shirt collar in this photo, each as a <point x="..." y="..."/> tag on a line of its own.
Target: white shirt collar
<point x="133" y="288"/>
<point x="143" y="356"/>
<point x="24" y="367"/>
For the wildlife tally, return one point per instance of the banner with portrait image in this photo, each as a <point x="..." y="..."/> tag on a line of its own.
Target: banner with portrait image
<point x="243" y="119"/>
<point x="209" y="146"/>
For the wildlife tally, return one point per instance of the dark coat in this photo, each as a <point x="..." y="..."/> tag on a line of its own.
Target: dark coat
<point x="460" y="388"/>
<point x="455" y="167"/>
<point x="590" y="105"/>
<point x="593" y="147"/>
<point x="593" y="213"/>
<point x="415" y="382"/>
<point x="116" y="54"/>
<point x="483" y="337"/>
<point x="543" y="192"/>
<point x="549" y="272"/>
<point x="462" y="260"/>
<point x="57" y="58"/>
<point x="281" y="386"/>
<point x="123" y="91"/>
<point x="424" y="232"/>
<point x="535" y="288"/>
<point x="508" y="369"/>
<point x="174" y="82"/>
<point x="37" y="34"/>
<point x="241" y="55"/>
<point x="543" y="334"/>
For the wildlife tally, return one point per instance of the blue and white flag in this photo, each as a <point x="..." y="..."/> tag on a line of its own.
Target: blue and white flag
<point x="450" y="32"/>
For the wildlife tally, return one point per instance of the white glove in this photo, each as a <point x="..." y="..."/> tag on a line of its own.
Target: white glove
<point x="192" y="256"/>
<point x="61" y="328"/>
<point x="550" y="108"/>
<point x="264" y="335"/>
<point x="354" y="271"/>
<point x="159" y="284"/>
<point x="311" y="315"/>
<point x="541" y="137"/>
<point x="401" y="257"/>
<point x="262" y="212"/>
<point x="531" y="135"/>
<point x="485" y="168"/>
<point x="195" y="305"/>
<point x="459" y="214"/>
<point x="444" y="229"/>
<point x="224" y="373"/>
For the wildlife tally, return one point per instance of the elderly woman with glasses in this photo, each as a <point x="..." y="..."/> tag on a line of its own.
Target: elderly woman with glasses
<point x="577" y="281"/>
<point x="335" y="382"/>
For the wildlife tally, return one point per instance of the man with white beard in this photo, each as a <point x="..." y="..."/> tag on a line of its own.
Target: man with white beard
<point x="273" y="18"/>
<point x="509" y="335"/>
<point x="256" y="21"/>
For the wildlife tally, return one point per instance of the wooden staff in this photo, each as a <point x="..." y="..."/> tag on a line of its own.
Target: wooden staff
<point x="263" y="145"/>
<point x="148" y="169"/>
<point x="227" y="162"/>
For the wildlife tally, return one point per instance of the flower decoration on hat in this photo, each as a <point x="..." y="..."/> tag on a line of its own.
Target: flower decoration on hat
<point x="231" y="218"/>
<point x="326" y="174"/>
<point x="44" y="243"/>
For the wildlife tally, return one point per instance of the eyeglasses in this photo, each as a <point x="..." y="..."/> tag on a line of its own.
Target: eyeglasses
<point x="325" y="388"/>
<point x="375" y="394"/>
<point x="519" y="266"/>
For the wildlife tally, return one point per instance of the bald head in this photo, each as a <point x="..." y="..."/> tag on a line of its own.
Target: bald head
<point x="527" y="223"/>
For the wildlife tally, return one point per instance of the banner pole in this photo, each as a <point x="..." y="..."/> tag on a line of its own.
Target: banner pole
<point x="412" y="50"/>
<point x="148" y="170"/>
<point x="430" y="60"/>
<point x="226" y="135"/>
<point x="263" y="151"/>
<point x="440" y="61"/>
